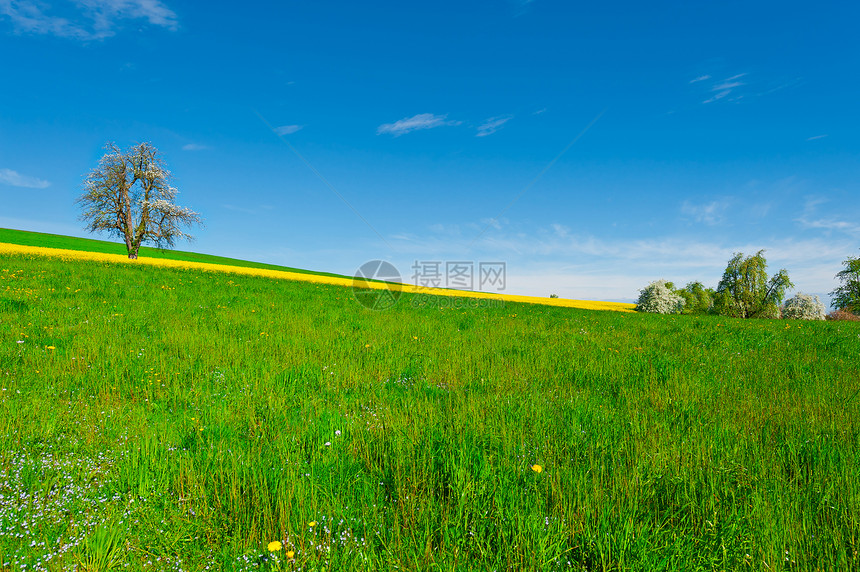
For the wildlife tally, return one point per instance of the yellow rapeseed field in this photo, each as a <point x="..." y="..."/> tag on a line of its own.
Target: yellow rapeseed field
<point x="284" y="275"/>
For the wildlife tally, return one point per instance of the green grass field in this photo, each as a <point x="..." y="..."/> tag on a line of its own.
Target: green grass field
<point x="160" y="419"/>
<point x="26" y="238"/>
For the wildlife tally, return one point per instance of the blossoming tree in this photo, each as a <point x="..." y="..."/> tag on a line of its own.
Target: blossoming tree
<point x="129" y="195"/>
<point x="659" y="297"/>
<point x="803" y="307"/>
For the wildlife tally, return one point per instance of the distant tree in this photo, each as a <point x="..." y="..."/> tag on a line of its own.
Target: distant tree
<point x="803" y="307"/>
<point x="697" y="298"/>
<point x="847" y="296"/>
<point x="129" y="195"/>
<point x="658" y="297"/>
<point x="745" y="291"/>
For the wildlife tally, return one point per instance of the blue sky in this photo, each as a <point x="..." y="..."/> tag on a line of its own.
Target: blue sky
<point x="592" y="147"/>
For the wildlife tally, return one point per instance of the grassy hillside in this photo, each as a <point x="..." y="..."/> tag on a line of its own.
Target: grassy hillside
<point x="192" y="419"/>
<point x="45" y="240"/>
<point x="370" y="289"/>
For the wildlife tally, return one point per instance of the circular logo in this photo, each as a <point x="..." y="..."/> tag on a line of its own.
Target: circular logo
<point x="376" y="285"/>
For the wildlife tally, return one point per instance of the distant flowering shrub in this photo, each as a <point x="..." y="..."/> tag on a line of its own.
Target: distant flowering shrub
<point x="803" y="307"/>
<point x="658" y="298"/>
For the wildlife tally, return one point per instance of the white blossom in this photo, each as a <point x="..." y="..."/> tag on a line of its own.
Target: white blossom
<point x="658" y="298"/>
<point x="803" y="307"/>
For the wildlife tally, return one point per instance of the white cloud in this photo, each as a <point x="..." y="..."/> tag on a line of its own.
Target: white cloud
<point x="194" y="147"/>
<point x="492" y="125"/>
<point x="88" y="19"/>
<point x="723" y="89"/>
<point x="10" y="177"/>
<point x="831" y="224"/>
<point x="492" y="222"/>
<point x="814" y="137"/>
<point x="414" y="123"/>
<point x="560" y="230"/>
<point x="729" y="83"/>
<point x="711" y="213"/>
<point x="287" y="129"/>
<point x="811" y="219"/>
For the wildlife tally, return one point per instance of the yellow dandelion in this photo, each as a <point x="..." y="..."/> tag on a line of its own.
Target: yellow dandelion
<point x="537" y="468"/>
<point x="274" y="546"/>
<point x="312" y="523"/>
<point x="51" y="348"/>
<point x="290" y="554"/>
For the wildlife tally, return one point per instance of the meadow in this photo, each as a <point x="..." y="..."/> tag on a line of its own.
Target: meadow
<point x="11" y="236"/>
<point x="158" y="418"/>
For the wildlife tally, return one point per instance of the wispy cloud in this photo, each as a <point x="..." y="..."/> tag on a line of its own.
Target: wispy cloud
<point x="814" y="137"/>
<point x="287" y="129"/>
<point x="415" y="123"/>
<point x="730" y="83"/>
<point x="710" y="213"/>
<point x="811" y="219"/>
<point x="492" y="222"/>
<point x="725" y="89"/>
<point x="831" y="224"/>
<point x="16" y="179"/>
<point x="492" y="125"/>
<point x="194" y="147"/>
<point x="836" y="222"/>
<point x="87" y="19"/>
<point x="700" y="78"/>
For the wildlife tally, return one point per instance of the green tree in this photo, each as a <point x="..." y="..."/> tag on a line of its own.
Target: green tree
<point x="697" y="298"/>
<point x="847" y="295"/>
<point x="129" y="195"/>
<point x="745" y="291"/>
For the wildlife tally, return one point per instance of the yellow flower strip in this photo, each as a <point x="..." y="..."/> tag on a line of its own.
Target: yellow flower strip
<point x="284" y="275"/>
